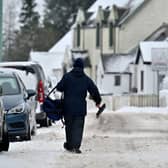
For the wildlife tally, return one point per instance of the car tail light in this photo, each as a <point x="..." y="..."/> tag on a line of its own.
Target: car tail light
<point x="40" y="92"/>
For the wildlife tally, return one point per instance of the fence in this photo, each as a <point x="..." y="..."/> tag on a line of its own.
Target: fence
<point x="116" y="102"/>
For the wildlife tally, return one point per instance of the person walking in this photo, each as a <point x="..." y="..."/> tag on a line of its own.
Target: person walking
<point x="75" y="85"/>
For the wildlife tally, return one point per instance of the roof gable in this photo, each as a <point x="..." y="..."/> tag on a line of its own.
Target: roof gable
<point x="145" y="50"/>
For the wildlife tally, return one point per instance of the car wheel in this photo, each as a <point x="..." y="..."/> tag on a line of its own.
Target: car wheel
<point x="33" y="132"/>
<point x="4" y="145"/>
<point x="45" y="123"/>
<point x="28" y="136"/>
<point x="50" y="123"/>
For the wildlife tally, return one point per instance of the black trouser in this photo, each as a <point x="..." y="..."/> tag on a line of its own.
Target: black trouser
<point x="74" y="131"/>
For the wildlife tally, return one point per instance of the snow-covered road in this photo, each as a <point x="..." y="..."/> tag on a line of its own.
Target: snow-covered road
<point x="115" y="140"/>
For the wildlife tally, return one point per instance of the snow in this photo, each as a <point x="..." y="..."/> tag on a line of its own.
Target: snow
<point x="63" y="43"/>
<point x="117" y="63"/>
<point x="151" y="110"/>
<point x="146" y="48"/>
<point x="48" y="60"/>
<point x="106" y="3"/>
<point x="129" y="138"/>
<point x="133" y="6"/>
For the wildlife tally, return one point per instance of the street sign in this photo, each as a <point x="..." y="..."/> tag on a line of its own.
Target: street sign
<point x="159" y="59"/>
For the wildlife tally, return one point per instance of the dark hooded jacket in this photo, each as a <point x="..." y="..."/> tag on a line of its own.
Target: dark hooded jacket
<point x="75" y="85"/>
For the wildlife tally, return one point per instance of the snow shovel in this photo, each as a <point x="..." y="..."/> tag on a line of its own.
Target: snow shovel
<point x="101" y="109"/>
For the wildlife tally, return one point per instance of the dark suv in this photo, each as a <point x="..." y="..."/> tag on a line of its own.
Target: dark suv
<point x="40" y="84"/>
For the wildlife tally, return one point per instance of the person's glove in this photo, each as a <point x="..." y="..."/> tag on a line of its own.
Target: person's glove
<point x="101" y="109"/>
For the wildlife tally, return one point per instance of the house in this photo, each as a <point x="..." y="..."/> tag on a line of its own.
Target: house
<point x="114" y="74"/>
<point x="116" y="28"/>
<point x="152" y="64"/>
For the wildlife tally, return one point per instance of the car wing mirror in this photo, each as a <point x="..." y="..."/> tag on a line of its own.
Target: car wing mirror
<point x="31" y="93"/>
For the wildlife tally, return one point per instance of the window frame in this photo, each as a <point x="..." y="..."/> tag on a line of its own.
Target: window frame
<point x="97" y="35"/>
<point x="142" y="80"/>
<point x="111" y="35"/>
<point x="78" y="35"/>
<point x="117" y="80"/>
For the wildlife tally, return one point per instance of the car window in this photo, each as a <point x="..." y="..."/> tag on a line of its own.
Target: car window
<point x="29" y="79"/>
<point x="9" y="85"/>
<point x="40" y="72"/>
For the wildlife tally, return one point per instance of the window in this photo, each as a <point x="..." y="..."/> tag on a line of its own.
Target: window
<point x="142" y="80"/>
<point x="78" y="35"/>
<point x="117" y="80"/>
<point x="9" y="85"/>
<point x="111" y="34"/>
<point x="98" y="35"/>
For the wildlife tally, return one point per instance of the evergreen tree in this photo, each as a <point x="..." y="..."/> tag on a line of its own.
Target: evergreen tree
<point x="29" y="18"/>
<point x="27" y="35"/>
<point x="60" y="14"/>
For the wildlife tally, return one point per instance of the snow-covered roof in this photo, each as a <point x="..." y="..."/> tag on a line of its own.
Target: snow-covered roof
<point x="64" y="43"/>
<point x="117" y="63"/>
<point x="48" y="60"/>
<point x="146" y="47"/>
<point x="131" y="5"/>
<point x="17" y="63"/>
<point x="105" y="3"/>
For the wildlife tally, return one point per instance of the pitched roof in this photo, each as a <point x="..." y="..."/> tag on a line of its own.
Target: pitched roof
<point x="106" y="6"/>
<point x="125" y="9"/>
<point x="117" y="63"/>
<point x="133" y="6"/>
<point x="106" y="3"/>
<point x="63" y="43"/>
<point x="160" y="34"/>
<point x="145" y="50"/>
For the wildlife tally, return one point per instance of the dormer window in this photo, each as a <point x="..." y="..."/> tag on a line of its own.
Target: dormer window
<point x="78" y="35"/>
<point x="98" y="35"/>
<point x="111" y="34"/>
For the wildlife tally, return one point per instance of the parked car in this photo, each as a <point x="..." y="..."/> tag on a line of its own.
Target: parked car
<point x="4" y="139"/>
<point x="40" y="83"/>
<point x="19" y="109"/>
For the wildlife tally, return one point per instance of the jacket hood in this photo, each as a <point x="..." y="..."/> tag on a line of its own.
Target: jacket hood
<point x="78" y="63"/>
<point x="78" y="72"/>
